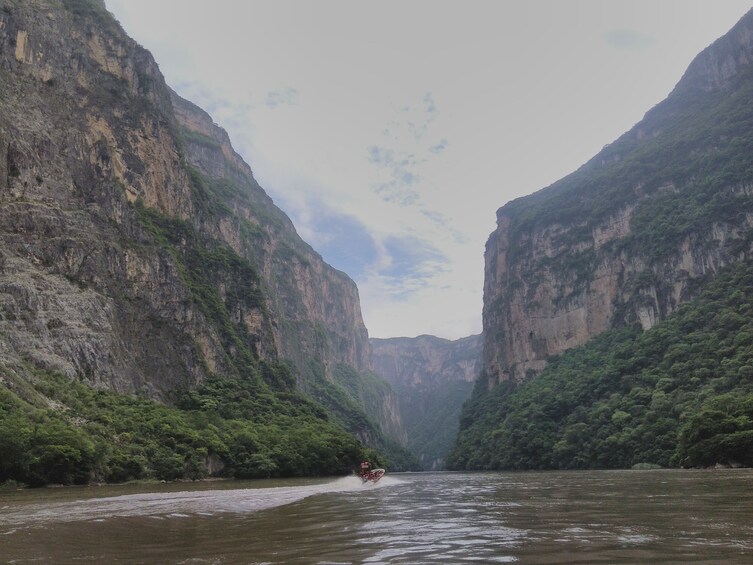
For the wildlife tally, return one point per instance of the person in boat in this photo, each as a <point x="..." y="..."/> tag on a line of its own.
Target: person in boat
<point x="365" y="471"/>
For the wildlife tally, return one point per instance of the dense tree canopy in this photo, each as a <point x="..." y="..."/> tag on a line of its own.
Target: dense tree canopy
<point x="680" y="394"/>
<point x="66" y="432"/>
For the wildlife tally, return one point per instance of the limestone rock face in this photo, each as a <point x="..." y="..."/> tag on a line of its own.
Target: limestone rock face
<point x="137" y="252"/>
<point x="632" y="234"/>
<point x="315" y="308"/>
<point x="432" y="377"/>
<point x="81" y="290"/>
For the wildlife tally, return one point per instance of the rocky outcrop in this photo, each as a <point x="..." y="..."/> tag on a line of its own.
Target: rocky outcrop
<point x="432" y="377"/>
<point x="723" y="64"/>
<point x="137" y="252"/>
<point x="82" y="289"/>
<point x="632" y="234"/>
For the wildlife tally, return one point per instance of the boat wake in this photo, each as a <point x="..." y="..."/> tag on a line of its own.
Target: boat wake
<point x="179" y="504"/>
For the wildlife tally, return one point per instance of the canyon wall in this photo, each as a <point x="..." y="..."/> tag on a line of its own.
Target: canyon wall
<point x="137" y="251"/>
<point x="633" y="233"/>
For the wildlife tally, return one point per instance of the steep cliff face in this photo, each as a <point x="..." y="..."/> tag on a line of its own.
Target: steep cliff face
<point x="316" y="323"/>
<point x="634" y="232"/>
<point x="85" y="127"/>
<point x="315" y="308"/>
<point x="433" y="377"/>
<point x="137" y="252"/>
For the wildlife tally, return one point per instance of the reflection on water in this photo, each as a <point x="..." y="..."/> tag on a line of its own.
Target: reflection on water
<point x="578" y="517"/>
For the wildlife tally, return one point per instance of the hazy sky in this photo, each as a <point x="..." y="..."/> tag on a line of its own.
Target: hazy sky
<point x="390" y="132"/>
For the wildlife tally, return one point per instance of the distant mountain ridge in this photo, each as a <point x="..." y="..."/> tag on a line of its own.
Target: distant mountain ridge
<point x="432" y="377"/>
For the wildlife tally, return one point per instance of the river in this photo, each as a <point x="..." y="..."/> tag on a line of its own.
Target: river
<point x="537" y="518"/>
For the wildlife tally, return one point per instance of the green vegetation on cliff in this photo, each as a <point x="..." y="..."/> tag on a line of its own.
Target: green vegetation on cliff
<point x="432" y="378"/>
<point x="680" y="394"/>
<point x="432" y="431"/>
<point x="353" y="400"/>
<point x="250" y="421"/>
<point x="162" y="271"/>
<point x="685" y="167"/>
<point x="206" y="265"/>
<point x="682" y="176"/>
<point x="54" y="430"/>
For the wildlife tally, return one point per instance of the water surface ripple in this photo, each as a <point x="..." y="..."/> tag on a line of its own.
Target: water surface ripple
<point x="585" y="517"/>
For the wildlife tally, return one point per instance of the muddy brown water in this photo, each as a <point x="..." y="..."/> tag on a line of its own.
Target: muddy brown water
<point x="549" y="517"/>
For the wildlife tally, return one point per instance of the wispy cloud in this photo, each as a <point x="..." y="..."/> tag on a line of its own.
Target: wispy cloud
<point x="404" y="151"/>
<point x="439" y="147"/>
<point x="416" y="119"/>
<point x="286" y="96"/>
<point x="414" y="258"/>
<point x="397" y="175"/>
<point x="390" y="158"/>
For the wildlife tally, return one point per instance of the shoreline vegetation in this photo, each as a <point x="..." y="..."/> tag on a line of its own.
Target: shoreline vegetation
<point x="54" y="430"/>
<point x="679" y="395"/>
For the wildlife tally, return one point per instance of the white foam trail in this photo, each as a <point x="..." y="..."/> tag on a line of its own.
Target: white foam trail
<point x="205" y="502"/>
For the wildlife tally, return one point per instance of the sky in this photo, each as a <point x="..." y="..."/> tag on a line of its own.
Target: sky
<point x="390" y="132"/>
